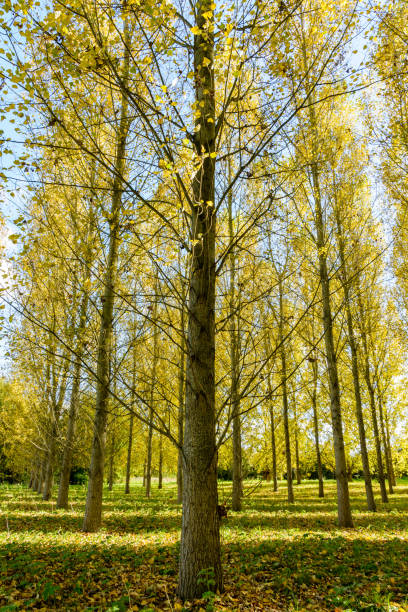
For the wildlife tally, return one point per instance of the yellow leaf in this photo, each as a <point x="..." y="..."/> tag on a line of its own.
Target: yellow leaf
<point x="195" y="30"/>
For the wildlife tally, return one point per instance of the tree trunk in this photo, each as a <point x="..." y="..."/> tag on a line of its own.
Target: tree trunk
<point x="343" y="497"/>
<point x="377" y="441"/>
<point x="160" y="485"/>
<point x="129" y="454"/>
<point x="388" y="461"/>
<point x="62" y="500"/>
<point x="273" y="446"/>
<point x="316" y="430"/>
<point x="149" y="451"/>
<point x="387" y="430"/>
<point x="370" y="388"/>
<point x="234" y="388"/>
<point x="49" y="468"/>
<point x="112" y="462"/>
<point x="144" y="473"/>
<point x="181" y="398"/>
<point x="298" y="471"/>
<point x="289" y="474"/>
<point x="93" y="509"/>
<point x="356" y="377"/>
<point x="41" y="476"/>
<point x="200" y="556"/>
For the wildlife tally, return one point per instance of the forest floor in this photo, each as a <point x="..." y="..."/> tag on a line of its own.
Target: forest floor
<point x="276" y="557"/>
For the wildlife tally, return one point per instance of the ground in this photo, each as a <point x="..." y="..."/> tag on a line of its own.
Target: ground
<point x="276" y="557"/>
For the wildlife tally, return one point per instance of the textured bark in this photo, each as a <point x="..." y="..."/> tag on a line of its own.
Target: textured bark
<point x="181" y="392"/>
<point x="298" y="471"/>
<point x="343" y="497"/>
<point x="93" y="509"/>
<point x="285" y="406"/>
<point x="62" y="500"/>
<point x="377" y="441"/>
<point x="273" y="447"/>
<point x="148" y="481"/>
<point x="111" y="462"/>
<point x="355" y="371"/>
<point x="371" y="395"/>
<point x="49" y="468"/>
<point x="388" y="461"/>
<point x="41" y="476"/>
<point x="129" y="454"/>
<point x="160" y="484"/>
<point x="234" y="388"/>
<point x="63" y="490"/>
<point x="316" y="429"/>
<point x="200" y="536"/>
<point x="387" y="430"/>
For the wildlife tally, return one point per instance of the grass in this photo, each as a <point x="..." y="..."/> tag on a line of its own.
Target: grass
<point x="275" y="556"/>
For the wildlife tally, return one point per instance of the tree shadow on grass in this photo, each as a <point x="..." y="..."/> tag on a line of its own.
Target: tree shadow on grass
<point x="310" y="572"/>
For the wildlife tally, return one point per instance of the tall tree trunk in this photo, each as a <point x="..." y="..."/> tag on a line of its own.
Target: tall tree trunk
<point x="200" y="533"/>
<point x="144" y="473"/>
<point x="181" y="398"/>
<point x="234" y="389"/>
<point x="93" y="509"/>
<point x="388" y="461"/>
<point x="112" y="462"/>
<point x="343" y="497"/>
<point x="316" y="429"/>
<point x="129" y="454"/>
<point x="49" y="468"/>
<point x="62" y="500"/>
<point x="160" y="485"/>
<point x="373" y="410"/>
<point x="298" y="471"/>
<point x="285" y="406"/>
<point x="354" y="366"/>
<point x="273" y="446"/>
<point x="387" y="430"/>
<point x="131" y="420"/>
<point x="41" y="476"/>
<point x="152" y="400"/>
<point x="377" y="441"/>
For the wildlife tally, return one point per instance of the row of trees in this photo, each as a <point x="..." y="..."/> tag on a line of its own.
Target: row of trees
<point x="202" y="266"/>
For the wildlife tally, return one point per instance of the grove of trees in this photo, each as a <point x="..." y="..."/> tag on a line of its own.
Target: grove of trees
<point x="206" y="230"/>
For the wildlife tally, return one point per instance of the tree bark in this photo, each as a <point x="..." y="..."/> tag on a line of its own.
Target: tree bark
<point x="388" y="461"/>
<point x="387" y="430"/>
<point x="129" y="454"/>
<point x="160" y="484"/>
<point x="181" y="397"/>
<point x="316" y="429"/>
<point x="343" y="497"/>
<point x="298" y="471"/>
<point x="93" y="509"/>
<point x="289" y="475"/>
<point x="373" y="410"/>
<point x="234" y="388"/>
<point x="41" y="476"/>
<point x="63" y="490"/>
<point x="200" y="536"/>
<point x="112" y="462"/>
<point x="356" y="376"/>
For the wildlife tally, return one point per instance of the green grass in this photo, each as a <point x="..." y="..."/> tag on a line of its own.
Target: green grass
<point x="276" y="556"/>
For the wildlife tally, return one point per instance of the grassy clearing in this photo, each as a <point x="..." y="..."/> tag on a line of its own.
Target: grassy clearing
<point x="275" y="557"/>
